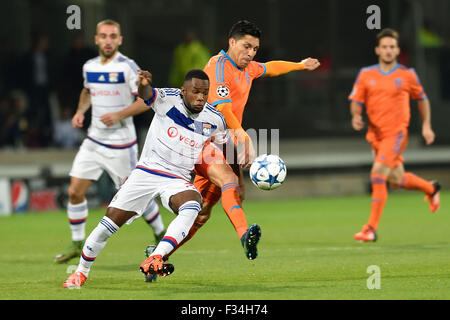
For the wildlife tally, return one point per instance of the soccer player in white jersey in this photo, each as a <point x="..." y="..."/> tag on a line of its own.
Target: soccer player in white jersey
<point x="182" y="124"/>
<point x="110" y="85"/>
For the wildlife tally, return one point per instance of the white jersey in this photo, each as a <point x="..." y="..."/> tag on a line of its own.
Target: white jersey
<point x="113" y="87"/>
<point x="176" y="136"/>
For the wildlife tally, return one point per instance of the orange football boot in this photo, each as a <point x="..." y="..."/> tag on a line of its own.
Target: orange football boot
<point x="434" y="198"/>
<point x="156" y="265"/>
<point x="75" y="280"/>
<point x="366" y="234"/>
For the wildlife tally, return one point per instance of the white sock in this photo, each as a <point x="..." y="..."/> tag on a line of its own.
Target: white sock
<point x="178" y="228"/>
<point x="153" y="218"/>
<point x="95" y="243"/>
<point x="77" y="214"/>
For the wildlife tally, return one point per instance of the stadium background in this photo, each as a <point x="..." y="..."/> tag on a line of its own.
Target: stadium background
<point x="324" y="155"/>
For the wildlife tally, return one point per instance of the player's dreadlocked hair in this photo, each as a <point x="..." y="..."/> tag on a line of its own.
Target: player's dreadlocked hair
<point x="243" y="28"/>
<point x="197" y="74"/>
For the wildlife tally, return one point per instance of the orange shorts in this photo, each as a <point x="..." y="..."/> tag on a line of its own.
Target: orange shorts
<point x="210" y="155"/>
<point x="388" y="151"/>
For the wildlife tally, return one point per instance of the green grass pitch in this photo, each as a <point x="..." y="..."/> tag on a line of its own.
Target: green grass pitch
<point x="306" y="252"/>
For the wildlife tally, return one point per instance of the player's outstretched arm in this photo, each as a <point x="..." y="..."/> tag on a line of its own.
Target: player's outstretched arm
<point x="137" y="107"/>
<point x="246" y="150"/>
<point x="145" y="91"/>
<point x="278" y="67"/>
<point x="425" y="114"/>
<point x="83" y="105"/>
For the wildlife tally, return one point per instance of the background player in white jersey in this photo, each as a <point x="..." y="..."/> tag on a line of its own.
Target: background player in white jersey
<point x="110" y="85"/>
<point x="182" y="124"/>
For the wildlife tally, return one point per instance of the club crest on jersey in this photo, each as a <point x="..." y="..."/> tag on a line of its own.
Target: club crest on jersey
<point x="206" y="129"/>
<point x="398" y="82"/>
<point x="113" y="77"/>
<point x="223" y="91"/>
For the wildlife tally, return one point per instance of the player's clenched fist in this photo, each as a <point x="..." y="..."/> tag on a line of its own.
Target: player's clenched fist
<point x="77" y="120"/>
<point x="145" y="77"/>
<point x="110" y="119"/>
<point x="428" y="135"/>
<point x="310" y="63"/>
<point x="145" y="81"/>
<point x="357" y="122"/>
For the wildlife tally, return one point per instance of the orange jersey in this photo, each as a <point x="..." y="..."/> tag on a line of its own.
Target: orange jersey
<point x="386" y="97"/>
<point x="229" y="83"/>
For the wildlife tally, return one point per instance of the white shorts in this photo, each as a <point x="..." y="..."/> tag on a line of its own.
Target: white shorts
<point x="93" y="158"/>
<point x="143" y="185"/>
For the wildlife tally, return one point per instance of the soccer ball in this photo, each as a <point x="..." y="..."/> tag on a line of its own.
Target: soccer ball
<point x="268" y="171"/>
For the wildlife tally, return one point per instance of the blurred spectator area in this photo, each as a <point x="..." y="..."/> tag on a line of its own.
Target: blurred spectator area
<point x="40" y="59"/>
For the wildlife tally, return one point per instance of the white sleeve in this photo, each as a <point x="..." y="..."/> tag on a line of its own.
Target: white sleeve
<point x="221" y="134"/>
<point x="157" y="100"/>
<point x="133" y="77"/>
<point x="85" y="82"/>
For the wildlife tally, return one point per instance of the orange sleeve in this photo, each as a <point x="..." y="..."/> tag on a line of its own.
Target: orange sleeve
<point x="416" y="89"/>
<point x="276" y="68"/>
<point x="359" y="91"/>
<point x="256" y="69"/>
<point x="220" y="84"/>
<point x="232" y="122"/>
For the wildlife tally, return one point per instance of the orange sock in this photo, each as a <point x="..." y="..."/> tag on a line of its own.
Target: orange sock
<point x="379" y="197"/>
<point x="412" y="182"/>
<point x="197" y="225"/>
<point x="233" y="208"/>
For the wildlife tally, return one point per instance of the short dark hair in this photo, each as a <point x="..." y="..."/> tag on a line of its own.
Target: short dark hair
<point x="242" y="28"/>
<point x="391" y="33"/>
<point x="197" y="74"/>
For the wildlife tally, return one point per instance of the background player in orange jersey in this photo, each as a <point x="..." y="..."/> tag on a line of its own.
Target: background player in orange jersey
<point x="231" y="74"/>
<point x="384" y="90"/>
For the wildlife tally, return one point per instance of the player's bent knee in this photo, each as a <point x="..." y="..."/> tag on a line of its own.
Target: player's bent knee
<point x="75" y="195"/>
<point x="178" y="200"/>
<point x="232" y="177"/>
<point x="395" y="181"/>
<point x="396" y="175"/>
<point x="228" y="177"/>
<point x="118" y="216"/>
<point x="381" y="169"/>
<point x="221" y="174"/>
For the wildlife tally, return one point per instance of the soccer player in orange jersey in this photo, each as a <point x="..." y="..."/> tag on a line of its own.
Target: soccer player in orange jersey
<point x="384" y="91"/>
<point x="231" y="74"/>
